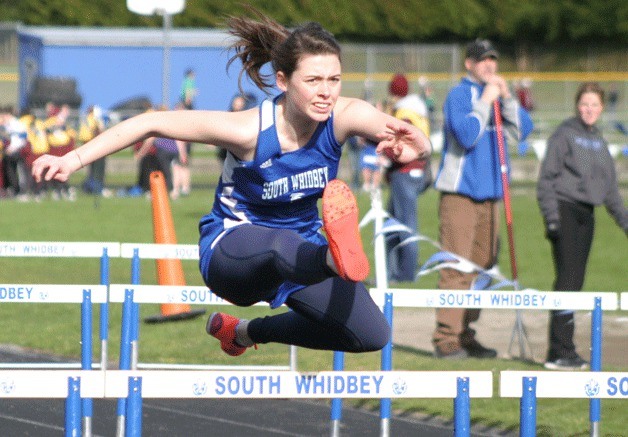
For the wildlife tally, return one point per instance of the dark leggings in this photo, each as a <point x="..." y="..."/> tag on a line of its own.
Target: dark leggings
<point x="165" y="158"/>
<point x="570" y="252"/>
<point x="329" y="313"/>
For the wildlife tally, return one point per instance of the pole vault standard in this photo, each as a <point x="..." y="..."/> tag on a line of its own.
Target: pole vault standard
<point x="519" y="330"/>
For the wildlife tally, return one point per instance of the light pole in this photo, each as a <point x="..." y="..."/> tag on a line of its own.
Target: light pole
<point x="165" y="8"/>
<point x="165" y="72"/>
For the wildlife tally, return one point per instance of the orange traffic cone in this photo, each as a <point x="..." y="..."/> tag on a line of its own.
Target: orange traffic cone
<point x="169" y="271"/>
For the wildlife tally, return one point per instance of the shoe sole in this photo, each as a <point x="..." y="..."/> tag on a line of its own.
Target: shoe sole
<point x="340" y="221"/>
<point x="215" y="324"/>
<point x="552" y="366"/>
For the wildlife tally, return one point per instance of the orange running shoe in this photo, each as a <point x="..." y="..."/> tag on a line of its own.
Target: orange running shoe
<point x="223" y="326"/>
<point x="340" y="221"/>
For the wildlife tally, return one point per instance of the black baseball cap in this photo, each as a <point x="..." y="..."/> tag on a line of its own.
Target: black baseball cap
<point x="481" y="49"/>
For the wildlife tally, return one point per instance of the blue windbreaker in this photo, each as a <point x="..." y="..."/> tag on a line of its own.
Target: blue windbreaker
<point x="470" y="158"/>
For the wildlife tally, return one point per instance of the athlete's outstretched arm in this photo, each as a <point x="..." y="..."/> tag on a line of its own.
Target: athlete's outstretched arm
<point x="399" y="140"/>
<point x="235" y="131"/>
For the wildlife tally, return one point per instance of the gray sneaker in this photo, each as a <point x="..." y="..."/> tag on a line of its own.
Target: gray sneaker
<point x="574" y="363"/>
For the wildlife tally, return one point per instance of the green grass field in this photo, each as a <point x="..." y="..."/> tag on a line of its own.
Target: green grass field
<point x="55" y="328"/>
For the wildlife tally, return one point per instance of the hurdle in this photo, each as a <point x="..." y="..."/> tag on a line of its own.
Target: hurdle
<point x="517" y="300"/>
<point x="530" y="385"/>
<point x="137" y="385"/>
<point x="72" y="385"/>
<point x="193" y="295"/>
<point x="83" y="294"/>
<point x="624" y="301"/>
<point x="131" y="295"/>
<point x="44" y="249"/>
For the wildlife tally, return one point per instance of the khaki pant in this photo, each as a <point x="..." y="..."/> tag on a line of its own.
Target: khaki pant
<point x="469" y="229"/>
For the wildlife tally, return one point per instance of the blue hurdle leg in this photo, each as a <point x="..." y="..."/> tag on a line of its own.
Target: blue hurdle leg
<point x="528" y="408"/>
<point x="73" y="408"/>
<point x="385" y="406"/>
<point x="462" y="409"/>
<point x="134" y="408"/>
<point x="595" y="406"/>
<point x="86" y="355"/>
<point x="336" y="403"/>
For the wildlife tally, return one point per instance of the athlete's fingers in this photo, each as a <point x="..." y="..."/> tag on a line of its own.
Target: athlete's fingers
<point x="47" y="168"/>
<point x="38" y="168"/>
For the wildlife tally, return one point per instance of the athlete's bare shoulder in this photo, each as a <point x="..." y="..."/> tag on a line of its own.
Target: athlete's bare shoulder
<point x="347" y="115"/>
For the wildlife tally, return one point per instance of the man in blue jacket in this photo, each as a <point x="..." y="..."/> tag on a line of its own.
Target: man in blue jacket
<point x="469" y="180"/>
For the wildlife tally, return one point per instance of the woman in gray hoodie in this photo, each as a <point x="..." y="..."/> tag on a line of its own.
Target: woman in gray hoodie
<point x="577" y="174"/>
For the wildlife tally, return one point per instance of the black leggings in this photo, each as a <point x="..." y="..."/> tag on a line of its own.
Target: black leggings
<point x="165" y="159"/>
<point x="570" y="252"/>
<point x="329" y="313"/>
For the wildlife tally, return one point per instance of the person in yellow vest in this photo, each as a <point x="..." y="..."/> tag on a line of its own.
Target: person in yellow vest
<point x="91" y="126"/>
<point x="36" y="147"/>
<point x="61" y="138"/>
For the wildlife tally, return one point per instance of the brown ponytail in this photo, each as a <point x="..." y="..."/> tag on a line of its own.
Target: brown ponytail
<point x="265" y="40"/>
<point x="254" y="45"/>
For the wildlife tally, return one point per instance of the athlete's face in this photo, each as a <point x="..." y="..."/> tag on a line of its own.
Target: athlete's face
<point x="482" y="71"/>
<point x="314" y="87"/>
<point x="590" y="108"/>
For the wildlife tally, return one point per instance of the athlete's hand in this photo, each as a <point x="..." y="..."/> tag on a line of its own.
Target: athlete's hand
<point x="59" y="168"/>
<point x="403" y="143"/>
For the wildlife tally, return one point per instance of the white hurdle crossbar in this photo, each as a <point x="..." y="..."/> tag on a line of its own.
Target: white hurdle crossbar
<point x="73" y="385"/>
<point x="530" y="385"/>
<point x="57" y="249"/>
<point x="624" y="301"/>
<point x="136" y="385"/>
<point x="54" y="249"/>
<point x="49" y="384"/>
<point x="160" y="251"/>
<point x="573" y="385"/>
<point x="497" y="299"/>
<point x="86" y="295"/>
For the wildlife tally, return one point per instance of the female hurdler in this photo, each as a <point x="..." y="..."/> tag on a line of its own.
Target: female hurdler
<point x="262" y="239"/>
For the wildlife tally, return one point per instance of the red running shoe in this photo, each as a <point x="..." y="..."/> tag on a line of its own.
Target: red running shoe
<point x="340" y="221"/>
<point x="222" y="326"/>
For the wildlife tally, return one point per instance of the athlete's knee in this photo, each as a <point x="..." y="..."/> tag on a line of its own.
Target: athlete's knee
<point x="279" y="239"/>
<point x="379" y="340"/>
<point x="297" y="259"/>
<point x="371" y="344"/>
<point x="371" y="339"/>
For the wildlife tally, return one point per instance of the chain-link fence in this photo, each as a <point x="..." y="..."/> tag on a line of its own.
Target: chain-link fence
<point x="367" y="68"/>
<point x="8" y="43"/>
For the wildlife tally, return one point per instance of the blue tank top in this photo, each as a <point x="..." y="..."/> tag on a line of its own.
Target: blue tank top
<point x="275" y="189"/>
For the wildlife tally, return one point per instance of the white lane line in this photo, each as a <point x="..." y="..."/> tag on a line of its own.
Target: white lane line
<point x="219" y="419"/>
<point x="31" y="422"/>
<point x="35" y="423"/>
